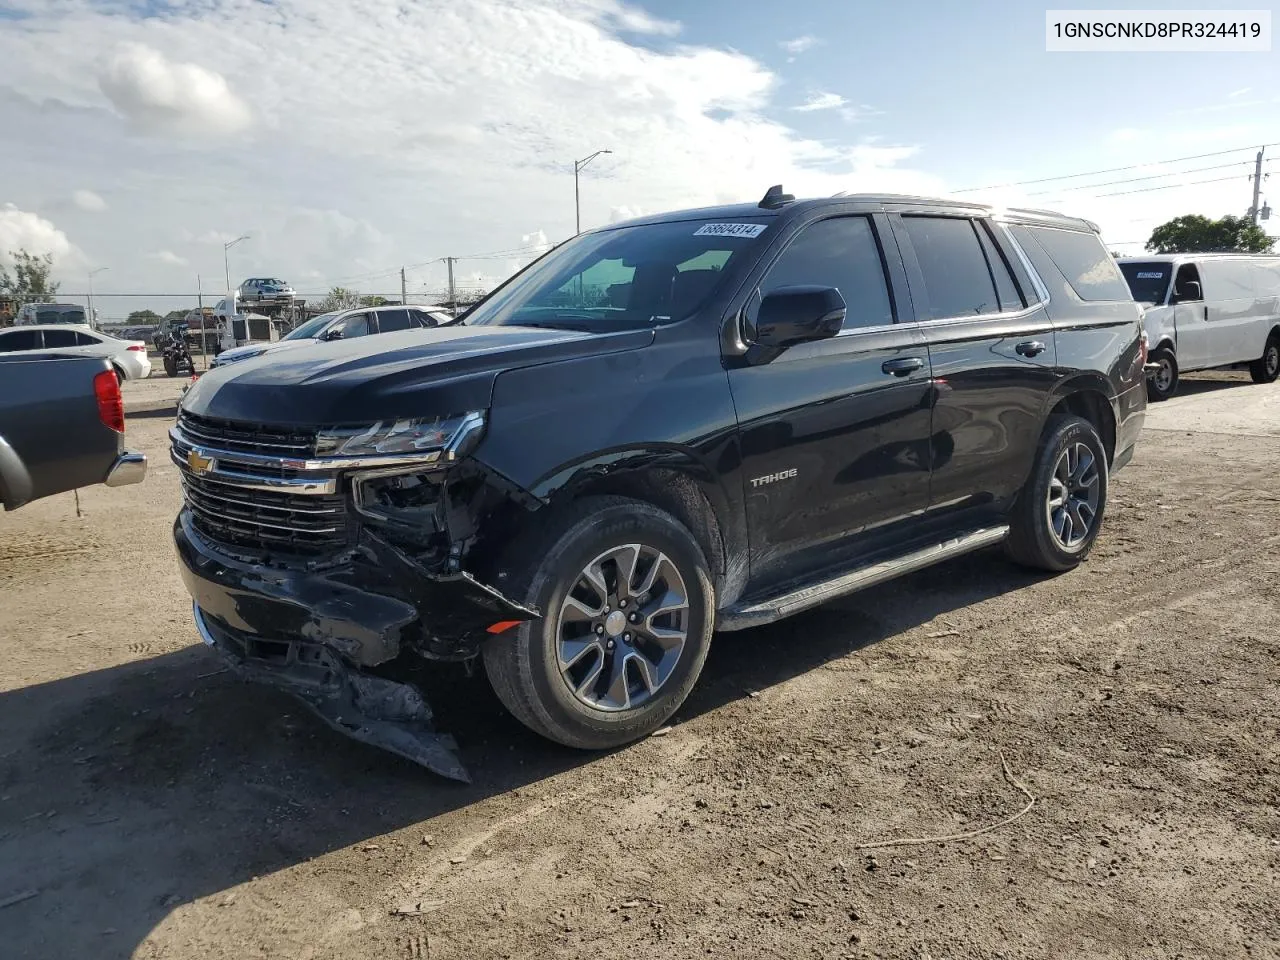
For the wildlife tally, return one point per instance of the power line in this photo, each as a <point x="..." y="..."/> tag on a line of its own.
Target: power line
<point x="1154" y="176"/>
<point x="1095" y="173"/>
<point x="1168" y="186"/>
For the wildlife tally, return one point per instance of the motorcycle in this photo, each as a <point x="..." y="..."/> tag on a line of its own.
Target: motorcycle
<point x="177" y="357"/>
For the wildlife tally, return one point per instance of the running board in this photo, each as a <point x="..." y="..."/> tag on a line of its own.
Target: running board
<point x="767" y="611"/>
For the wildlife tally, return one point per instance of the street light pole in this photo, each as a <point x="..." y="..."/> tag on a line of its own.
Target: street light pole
<point x="226" y="262"/>
<point x="578" y="165"/>
<point x="92" y="318"/>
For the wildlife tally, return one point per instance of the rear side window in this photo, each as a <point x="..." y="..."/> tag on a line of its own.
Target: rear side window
<point x="841" y="253"/>
<point x="957" y="279"/>
<point x="391" y="320"/>
<point x="1081" y="258"/>
<point x="60" y="338"/>
<point x="1006" y="287"/>
<point x="20" y="340"/>
<point x="422" y="319"/>
<point x="84" y="340"/>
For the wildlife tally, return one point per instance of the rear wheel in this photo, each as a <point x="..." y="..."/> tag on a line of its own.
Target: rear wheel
<point x="119" y="375"/>
<point x="627" y="615"/>
<point x="170" y="366"/>
<point x="1059" y="512"/>
<point x="1162" y="384"/>
<point x="1267" y="367"/>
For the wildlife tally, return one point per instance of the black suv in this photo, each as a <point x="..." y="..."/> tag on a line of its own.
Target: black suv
<point x="694" y="422"/>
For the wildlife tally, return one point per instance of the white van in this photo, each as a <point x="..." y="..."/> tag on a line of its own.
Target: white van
<point x="1206" y="310"/>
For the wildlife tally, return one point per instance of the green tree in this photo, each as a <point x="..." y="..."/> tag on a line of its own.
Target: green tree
<point x="176" y="315"/>
<point x="142" y="317"/>
<point x="339" y="298"/>
<point x="373" y="301"/>
<point x="29" y="282"/>
<point x="1197" y="234"/>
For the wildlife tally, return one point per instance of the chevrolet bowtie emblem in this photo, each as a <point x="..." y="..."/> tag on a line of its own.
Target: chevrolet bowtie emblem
<point x="197" y="463"/>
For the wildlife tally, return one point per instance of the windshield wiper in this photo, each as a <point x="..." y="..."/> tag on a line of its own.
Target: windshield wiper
<point x="560" y="324"/>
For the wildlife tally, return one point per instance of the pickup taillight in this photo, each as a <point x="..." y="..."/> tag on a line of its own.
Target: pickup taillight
<point x="110" y="404"/>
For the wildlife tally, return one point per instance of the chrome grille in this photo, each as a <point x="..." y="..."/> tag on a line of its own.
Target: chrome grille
<point x="265" y="521"/>
<point x="246" y="488"/>
<point x="247" y="437"/>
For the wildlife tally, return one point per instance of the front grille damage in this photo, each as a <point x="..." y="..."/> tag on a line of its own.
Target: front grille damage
<point x="335" y="598"/>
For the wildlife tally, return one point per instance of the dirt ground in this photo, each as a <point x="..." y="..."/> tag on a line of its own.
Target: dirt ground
<point x="153" y="807"/>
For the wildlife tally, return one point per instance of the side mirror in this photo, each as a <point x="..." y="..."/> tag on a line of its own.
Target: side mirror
<point x="1188" y="291"/>
<point x="799" y="314"/>
<point x="333" y="334"/>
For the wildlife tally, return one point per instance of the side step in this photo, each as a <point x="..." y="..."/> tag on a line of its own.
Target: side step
<point x="767" y="611"/>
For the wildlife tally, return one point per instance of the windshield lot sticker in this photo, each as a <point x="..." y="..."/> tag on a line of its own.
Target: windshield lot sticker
<point x="730" y="230"/>
<point x="1150" y="276"/>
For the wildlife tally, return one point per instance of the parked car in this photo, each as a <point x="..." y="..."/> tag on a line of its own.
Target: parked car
<point x="128" y="358"/>
<point x="257" y="289"/>
<point x="61" y="427"/>
<point x="339" y="325"/>
<point x="1206" y="310"/>
<point x="704" y="420"/>
<point x="52" y="313"/>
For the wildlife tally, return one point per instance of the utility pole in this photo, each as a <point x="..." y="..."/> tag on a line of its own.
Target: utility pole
<point x="404" y="296"/>
<point x="93" y="320"/>
<point x="1257" y="187"/>
<point x="453" y="296"/>
<point x="226" y="263"/>
<point x="577" y="168"/>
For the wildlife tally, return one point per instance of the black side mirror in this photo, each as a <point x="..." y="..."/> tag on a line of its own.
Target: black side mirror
<point x="333" y="334"/>
<point x="1188" y="290"/>
<point x="799" y="314"/>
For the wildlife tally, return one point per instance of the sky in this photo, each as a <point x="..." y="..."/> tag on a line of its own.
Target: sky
<point x="350" y="138"/>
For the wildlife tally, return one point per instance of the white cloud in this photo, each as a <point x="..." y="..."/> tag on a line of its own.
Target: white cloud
<point x="799" y="45"/>
<point x="1239" y="93"/>
<point x="89" y="201"/>
<point x="21" y="230"/>
<point x="170" y="258"/>
<point x="625" y="212"/>
<point x="821" y="101"/>
<point x="164" y="96"/>
<point x="355" y="164"/>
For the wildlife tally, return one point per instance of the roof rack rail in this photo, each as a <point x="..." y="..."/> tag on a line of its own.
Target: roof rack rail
<point x="775" y="198"/>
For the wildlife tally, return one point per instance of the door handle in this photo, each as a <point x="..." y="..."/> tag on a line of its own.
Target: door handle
<point x="1206" y="314"/>
<point x="901" y="366"/>
<point x="1030" y="348"/>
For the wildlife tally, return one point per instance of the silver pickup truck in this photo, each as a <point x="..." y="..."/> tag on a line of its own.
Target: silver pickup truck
<point x="61" y="427"/>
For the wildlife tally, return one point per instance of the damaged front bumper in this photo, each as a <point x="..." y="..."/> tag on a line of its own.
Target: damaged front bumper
<point x="336" y="637"/>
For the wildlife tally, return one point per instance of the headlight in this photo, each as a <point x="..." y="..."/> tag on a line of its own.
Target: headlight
<point x="457" y="435"/>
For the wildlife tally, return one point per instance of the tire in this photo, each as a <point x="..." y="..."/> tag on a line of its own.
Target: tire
<point x="547" y="570"/>
<point x="1034" y="538"/>
<point x="1267" y="367"/>
<point x="1164" y="384"/>
<point x="120" y="378"/>
<point x="170" y="366"/>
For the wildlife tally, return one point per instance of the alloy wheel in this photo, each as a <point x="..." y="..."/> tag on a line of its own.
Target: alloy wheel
<point x="622" y="628"/>
<point x="1075" y="490"/>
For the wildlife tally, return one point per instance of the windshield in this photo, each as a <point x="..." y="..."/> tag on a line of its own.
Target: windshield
<point x="630" y="278"/>
<point x="1148" y="282"/>
<point x="73" y="315"/>
<point x="311" y="328"/>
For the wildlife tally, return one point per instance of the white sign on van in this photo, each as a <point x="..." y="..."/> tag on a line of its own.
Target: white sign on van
<point x="1150" y="276"/>
<point x="730" y="230"/>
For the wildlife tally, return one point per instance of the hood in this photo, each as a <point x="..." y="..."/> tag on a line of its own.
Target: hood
<point x="414" y="373"/>
<point x="257" y="349"/>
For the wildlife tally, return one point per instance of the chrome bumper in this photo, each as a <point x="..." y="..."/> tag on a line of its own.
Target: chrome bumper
<point x="129" y="468"/>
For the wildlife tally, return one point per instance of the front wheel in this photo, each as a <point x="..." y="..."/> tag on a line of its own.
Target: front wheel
<point x="1059" y="511"/>
<point x="627" y="609"/>
<point x="1164" y="382"/>
<point x="170" y="366"/>
<point x="1267" y="367"/>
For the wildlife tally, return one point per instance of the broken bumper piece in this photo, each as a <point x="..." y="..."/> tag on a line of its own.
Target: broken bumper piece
<point x="374" y="710"/>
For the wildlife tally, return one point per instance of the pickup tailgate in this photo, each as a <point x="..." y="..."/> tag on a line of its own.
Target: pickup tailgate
<point x="52" y="435"/>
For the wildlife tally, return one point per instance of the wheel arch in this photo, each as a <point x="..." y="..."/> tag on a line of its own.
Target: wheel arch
<point x="1088" y="397"/>
<point x="671" y="478"/>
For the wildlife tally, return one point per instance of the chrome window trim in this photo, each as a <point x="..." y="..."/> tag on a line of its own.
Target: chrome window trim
<point x="983" y="317"/>
<point x="1042" y="291"/>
